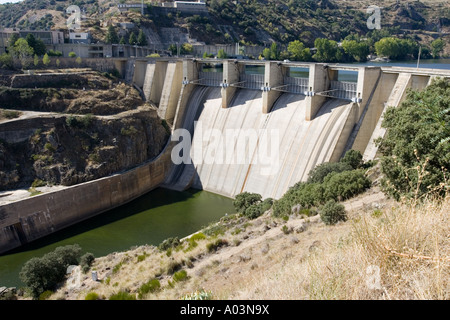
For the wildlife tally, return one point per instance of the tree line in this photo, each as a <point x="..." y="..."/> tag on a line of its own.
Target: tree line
<point x="355" y="49"/>
<point x="28" y="51"/>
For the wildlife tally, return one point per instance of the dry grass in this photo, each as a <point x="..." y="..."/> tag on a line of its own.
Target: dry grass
<point x="398" y="252"/>
<point x="402" y="253"/>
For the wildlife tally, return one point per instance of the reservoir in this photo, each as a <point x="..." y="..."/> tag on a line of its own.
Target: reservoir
<point x="150" y="219"/>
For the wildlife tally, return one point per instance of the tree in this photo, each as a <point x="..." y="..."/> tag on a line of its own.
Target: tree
<point x="36" y="60"/>
<point x="298" y="52"/>
<point x="395" y="48"/>
<point x="122" y="40"/>
<point x="111" y="35"/>
<point x="326" y="50"/>
<point x="23" y="51"/>
<point x="173" y="49"/>
<point x="266" y="53"/>
<point x="72" y="54"/>
<point x="416" y="147"/>
<point x="186" y="48"/>
<point x="221" y="54"/>
<point x="41" y="274"/>
<point x="37" y="44"/>
<point x="357" y="50"/>
<point x="353" y="158"/>
<point x="141" y="39"/>
<point x="332" y="212"/>
<point x="274" y="52"/>
<point x="6" y="61"/>
<point x="295" y="49"/>
<point x="436" y="47"/>
<point x="78" y="60"/>
<point x="244" y="200"/>
<point x="132" y="40"/>
<point x="12" y="40"/>
<point x="46" y="60"/>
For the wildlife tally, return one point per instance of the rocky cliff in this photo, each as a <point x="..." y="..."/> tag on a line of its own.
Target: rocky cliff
<point x="71" y="135"/>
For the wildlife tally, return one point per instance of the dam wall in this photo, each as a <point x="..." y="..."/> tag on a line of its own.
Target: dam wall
<point x="317" y="118"/>
<point x="282" y="125"/>
<point x="30" y="219"/>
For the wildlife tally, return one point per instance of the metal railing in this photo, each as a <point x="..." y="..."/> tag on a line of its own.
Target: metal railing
<point x="251" y="81"/>
<point x="343" y="90"/>
<point x="296" y="85"/>
<point x="210" y="79"/>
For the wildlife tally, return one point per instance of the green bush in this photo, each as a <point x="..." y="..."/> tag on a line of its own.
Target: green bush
<point x="45" y="295"/>
<point x="353" y="158"/>
<point x="213" y="246"/>
<point x="344" y="185"/>
<point x="86" y="261"/>
<point x="122" y="295"/>
<point x="169" y="243"/>
<point x="318" y="174"/>
<point x="245" y="200"/>
<point x="180" y="276"/>
<point x="416" y="147"/>
<point x="258" y="208"/>
<point x="332" y="212"/>
<point x="152" y="285"/>
<point x="92" y="296"/>
<point x="42" y="274"/>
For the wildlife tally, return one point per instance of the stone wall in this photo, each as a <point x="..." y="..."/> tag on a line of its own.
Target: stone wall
<point x="27" y="220"/>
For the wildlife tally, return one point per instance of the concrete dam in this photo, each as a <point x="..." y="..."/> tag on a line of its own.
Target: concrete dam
<point x="281" y="124"/>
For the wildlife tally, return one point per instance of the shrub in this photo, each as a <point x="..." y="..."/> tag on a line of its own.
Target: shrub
<point x="92" y="296"/>
<point x="169" y="243"/>
<point x="353" y="158"/>
<point x="198" y="295"/>
<point x="86" y="261"/>
<point x="152" y="285"/>
<point x="245" y="200"/>
<point x="122" y="295"/>
<point x="180" y="276"/>
<point x="71" y="121"/>
<point x="333" y="212"/>
<point x="416" y="147"/>
<point x="344" y="185"/>
<point x="213" y="246"/>
<point x="45" y="295"/>
<point x="318" y="174"/>
<point x="254" y="211"/>
<point x="42" y="274"/>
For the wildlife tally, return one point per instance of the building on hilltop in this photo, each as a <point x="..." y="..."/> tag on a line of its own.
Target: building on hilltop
<point x="79" y="37"/>
<point x="48" y="37"/>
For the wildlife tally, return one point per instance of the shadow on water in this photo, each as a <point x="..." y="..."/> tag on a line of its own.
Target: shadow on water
<point x="156" y="198"/>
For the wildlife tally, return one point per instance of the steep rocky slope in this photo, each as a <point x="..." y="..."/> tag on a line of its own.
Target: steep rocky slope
<point x="70" y="135"/>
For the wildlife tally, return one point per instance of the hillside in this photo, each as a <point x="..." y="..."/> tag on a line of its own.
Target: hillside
<point x="257" y="22"/>
<point x="273" y="259"/>
<point x="80" y="127"/>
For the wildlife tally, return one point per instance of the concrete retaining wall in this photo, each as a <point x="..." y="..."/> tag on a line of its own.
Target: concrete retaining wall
<point x="27" y="220"/>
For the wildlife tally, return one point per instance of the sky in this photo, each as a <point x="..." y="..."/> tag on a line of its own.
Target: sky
<point x="6" y="1"/>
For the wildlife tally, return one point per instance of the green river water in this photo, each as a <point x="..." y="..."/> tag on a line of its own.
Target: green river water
<point x="150" y="219"/>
